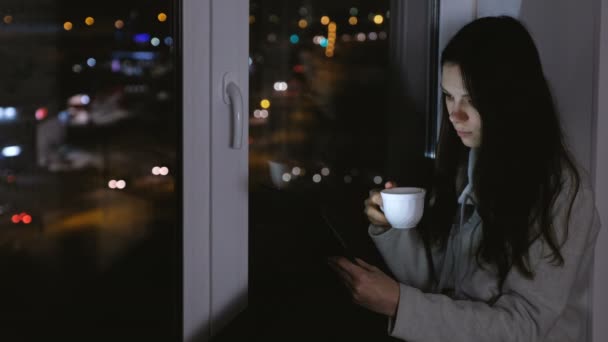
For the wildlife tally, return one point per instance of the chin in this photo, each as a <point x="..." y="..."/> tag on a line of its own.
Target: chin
<point x="469" y="143"/>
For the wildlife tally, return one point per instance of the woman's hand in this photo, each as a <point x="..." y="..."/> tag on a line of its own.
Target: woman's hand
<point x="372" y="207"/>
<point x="368" y="285"/>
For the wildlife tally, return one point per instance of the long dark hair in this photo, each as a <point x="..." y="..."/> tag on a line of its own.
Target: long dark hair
<point x="522" y="160"/>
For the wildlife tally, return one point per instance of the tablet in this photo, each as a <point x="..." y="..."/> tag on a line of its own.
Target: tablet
<point x="345" y="250"/>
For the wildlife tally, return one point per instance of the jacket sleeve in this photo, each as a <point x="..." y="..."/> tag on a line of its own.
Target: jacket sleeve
<point x="527" y="308"/>
<point x="405" y="255"/>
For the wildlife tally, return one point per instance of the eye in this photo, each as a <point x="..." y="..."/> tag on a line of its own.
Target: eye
<point x="448" y="97"/>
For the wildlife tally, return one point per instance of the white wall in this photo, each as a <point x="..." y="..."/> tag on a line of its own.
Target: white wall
<point x="600" y="328"/>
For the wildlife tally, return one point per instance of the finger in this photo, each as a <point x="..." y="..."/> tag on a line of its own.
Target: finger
<point x="375" y="216"/>
<point x="372" y="192"/>
<point x="375" y="198"/>
<point x="352" y="269"/>
<point x="365" y="265"/>
<point x="390" y="184"/>
<point x="346" y="277"/>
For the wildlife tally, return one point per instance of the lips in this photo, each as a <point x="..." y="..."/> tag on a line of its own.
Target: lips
<point x="463" y="133"/>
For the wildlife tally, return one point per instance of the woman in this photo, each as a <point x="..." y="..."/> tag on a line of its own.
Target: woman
<point x="504" y="251"/>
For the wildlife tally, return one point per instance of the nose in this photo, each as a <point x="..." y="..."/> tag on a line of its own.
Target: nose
<point x="458" y="115"/>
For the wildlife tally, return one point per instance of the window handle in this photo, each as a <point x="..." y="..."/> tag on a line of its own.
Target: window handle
<point x="233" y="97"/>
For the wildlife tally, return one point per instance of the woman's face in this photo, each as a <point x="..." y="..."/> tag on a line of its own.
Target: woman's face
<point x="464" y="117"/>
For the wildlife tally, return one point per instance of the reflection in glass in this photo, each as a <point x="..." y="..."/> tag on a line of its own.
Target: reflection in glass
<point x="319" y="94"/>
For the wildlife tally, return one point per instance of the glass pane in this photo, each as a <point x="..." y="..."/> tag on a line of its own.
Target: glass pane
<point x="324" y="130"/>
<point x="89" y="137"/>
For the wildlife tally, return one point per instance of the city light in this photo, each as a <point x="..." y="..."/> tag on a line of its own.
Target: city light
<point x="8" y="19"/>
<point x="302" y="23"/>
<point x="296" y="171"/>
<point x="263" y="114"/>
<point x="89" y="21"/>
<point x="316" y="178"/>
<point x="91" y="62"/>
<point x="77" y="68"/>
<point x="361" y="36"/>
<point x="377" y="180"/>
<point x="265" y="103"/>
<point x="41" y="113"/>
<point x="67" y="26"/>
<point x="325" y="171"/>
<point x="378" y="19"/>
<point x="331" y="39"/>
<point x="11" y="151"/>
<point x="160" y="171"/>
<point x="294" y="39"/>
<point x="116" y="65"/>
<point x="286" y="177"/>
<point x="348" y="179"/>
<point x="280" y="86"/>
<point x="372" y="36"/>
<point x="353" y="11"/>
<point x="23" y="217"/>
<point x="9" y="113"/>
<point x="353" y="20"/>
<point x="117" y="184"/>
<point x="119" y="24"/>
<point x="155" y="41"/>
<point x="324" y="20"/>
<point x="272" y="37"/>
<point x="85" y="99"/>
<point x="162" y="17"/>
<point x="141" y="38"/>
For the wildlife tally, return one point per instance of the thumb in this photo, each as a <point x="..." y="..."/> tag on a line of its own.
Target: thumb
<point x="390" y="184"/>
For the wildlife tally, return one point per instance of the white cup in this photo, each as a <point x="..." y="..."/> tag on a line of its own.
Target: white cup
<point x="403" y="207"/>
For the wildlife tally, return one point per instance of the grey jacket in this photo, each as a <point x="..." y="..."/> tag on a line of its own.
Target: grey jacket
<point x="554" y="306"/>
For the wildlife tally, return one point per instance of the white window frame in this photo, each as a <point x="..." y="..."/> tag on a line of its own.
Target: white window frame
<point x="215" y="36"/>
